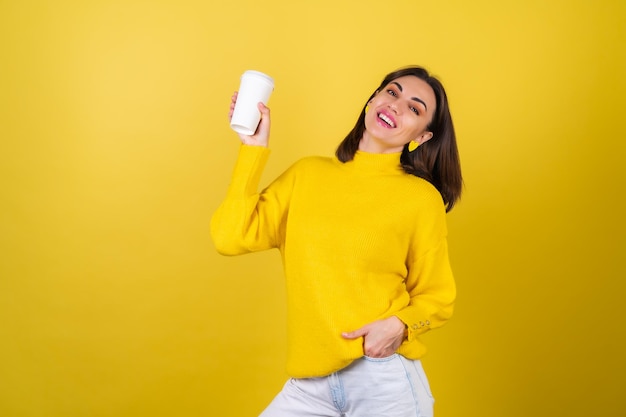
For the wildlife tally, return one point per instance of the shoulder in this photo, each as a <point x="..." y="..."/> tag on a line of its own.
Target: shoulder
<point x="309" y="163"/>
<point x="418" y="184"/>
<point x="424" y="194"/>
<point x="429" y="210"/>
<point x="306" y="169"/>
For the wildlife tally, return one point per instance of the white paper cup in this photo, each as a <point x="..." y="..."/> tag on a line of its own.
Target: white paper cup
<point x="255" y="87"/>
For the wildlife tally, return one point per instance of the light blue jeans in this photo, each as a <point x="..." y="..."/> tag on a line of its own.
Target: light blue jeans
<point x="369" y="387"/>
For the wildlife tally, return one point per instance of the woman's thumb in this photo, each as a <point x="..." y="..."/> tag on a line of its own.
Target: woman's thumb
<point x="354" y="334"/>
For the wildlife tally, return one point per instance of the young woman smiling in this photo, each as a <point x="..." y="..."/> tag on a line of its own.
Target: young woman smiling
<point x="363" y="238"/>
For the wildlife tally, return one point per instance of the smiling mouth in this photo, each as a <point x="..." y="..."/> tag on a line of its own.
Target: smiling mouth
<point x="386" y="120"/>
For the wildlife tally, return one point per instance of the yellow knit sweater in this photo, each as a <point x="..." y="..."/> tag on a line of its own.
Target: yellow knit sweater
<point x="360" y="241"/>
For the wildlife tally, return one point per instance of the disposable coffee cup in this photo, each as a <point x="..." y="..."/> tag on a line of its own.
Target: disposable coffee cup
<point x="255" y="87"/>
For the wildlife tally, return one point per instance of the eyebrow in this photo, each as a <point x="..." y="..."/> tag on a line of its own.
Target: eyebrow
<point x="412" y="98"/>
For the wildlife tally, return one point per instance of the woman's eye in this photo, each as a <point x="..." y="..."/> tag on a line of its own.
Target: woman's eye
<point x="414" y="110"/>
<point x="393" y="93"/>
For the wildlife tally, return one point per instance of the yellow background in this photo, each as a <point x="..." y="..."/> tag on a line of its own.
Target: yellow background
<point x="115" y="150"/>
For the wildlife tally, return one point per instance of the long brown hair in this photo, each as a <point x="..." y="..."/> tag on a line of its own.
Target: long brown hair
<point x="436" y="160"/>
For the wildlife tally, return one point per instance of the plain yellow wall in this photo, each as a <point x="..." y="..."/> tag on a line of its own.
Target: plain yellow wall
<point x="115" y="150"/>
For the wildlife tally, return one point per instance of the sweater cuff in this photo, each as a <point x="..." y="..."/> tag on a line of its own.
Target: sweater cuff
<point x="414" y="327"/>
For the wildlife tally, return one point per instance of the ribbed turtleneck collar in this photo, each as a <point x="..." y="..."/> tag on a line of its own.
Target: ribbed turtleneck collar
<point x="377" y="162"/>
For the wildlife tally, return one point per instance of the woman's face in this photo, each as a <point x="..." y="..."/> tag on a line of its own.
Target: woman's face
<point x="398" y="114"/>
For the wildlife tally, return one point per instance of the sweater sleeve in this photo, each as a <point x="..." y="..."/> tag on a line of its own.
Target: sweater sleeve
<point x="248" y="221"/>
<point x="430" y="282"/>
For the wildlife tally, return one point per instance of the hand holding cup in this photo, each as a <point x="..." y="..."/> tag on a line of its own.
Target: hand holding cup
<point x="262" y="134"/>
<point x="249" y="115"/>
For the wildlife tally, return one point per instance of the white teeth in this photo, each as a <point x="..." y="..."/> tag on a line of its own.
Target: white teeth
<point x="386" y="120"/>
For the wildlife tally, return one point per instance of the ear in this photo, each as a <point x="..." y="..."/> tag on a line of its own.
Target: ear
<point x="424" y="137"/>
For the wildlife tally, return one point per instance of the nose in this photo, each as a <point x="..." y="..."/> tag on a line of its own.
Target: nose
<point x="393" y="107"/>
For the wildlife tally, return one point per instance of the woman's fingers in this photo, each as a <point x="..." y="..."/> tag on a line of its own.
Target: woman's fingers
<point x="233" y="101"/>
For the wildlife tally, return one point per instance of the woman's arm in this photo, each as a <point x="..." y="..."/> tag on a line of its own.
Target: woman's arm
<point x="246" y="220"/>
<point x="429" y="283"/>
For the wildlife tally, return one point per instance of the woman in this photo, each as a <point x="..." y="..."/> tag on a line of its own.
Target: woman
<point x="363" y="241"/>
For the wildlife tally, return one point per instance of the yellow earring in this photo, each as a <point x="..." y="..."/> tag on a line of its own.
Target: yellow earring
<point x="413" y="145"/>
<point x="367" y="107"/>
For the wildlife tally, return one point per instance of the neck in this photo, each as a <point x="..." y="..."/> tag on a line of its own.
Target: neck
<point x="370" y="144"/>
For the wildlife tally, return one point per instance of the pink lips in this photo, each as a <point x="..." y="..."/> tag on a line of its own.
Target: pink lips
<point x="388" y="118"/>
